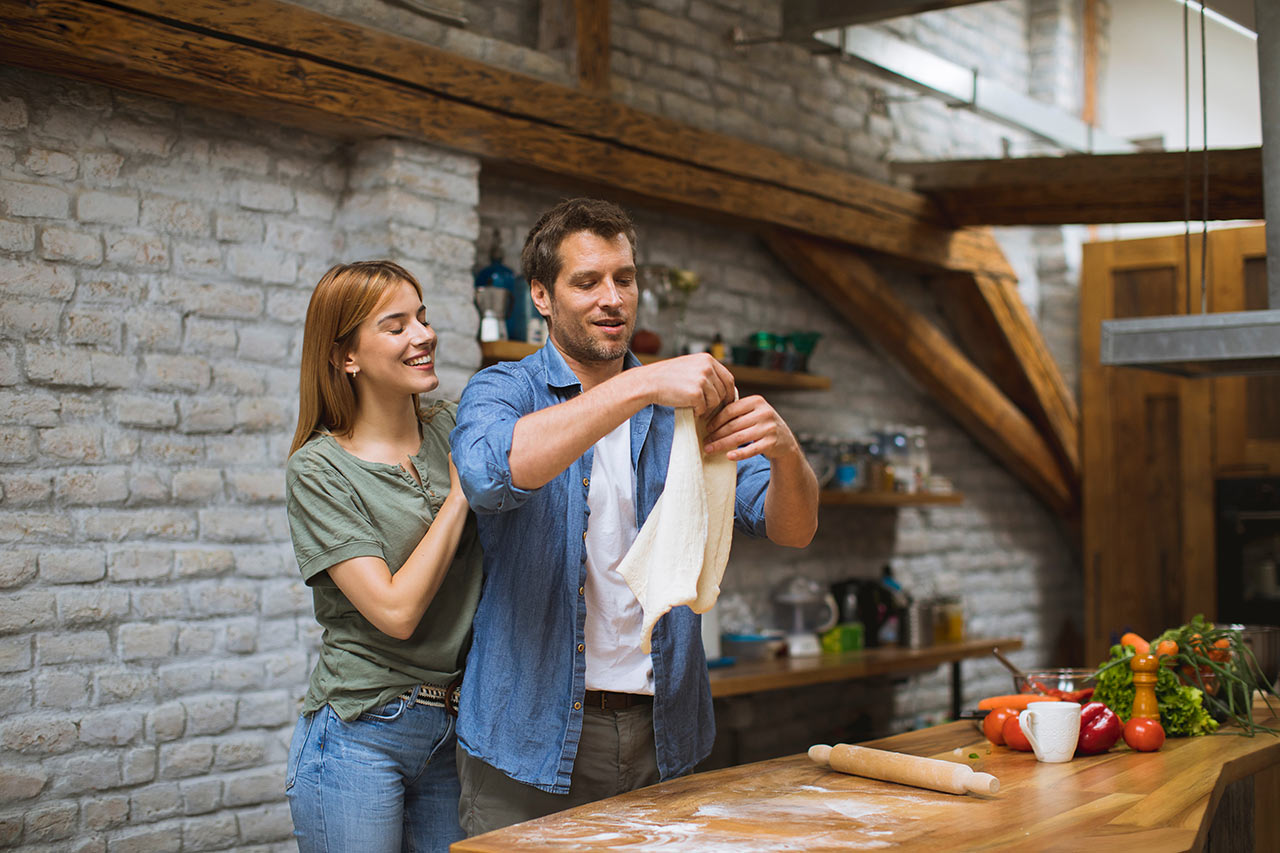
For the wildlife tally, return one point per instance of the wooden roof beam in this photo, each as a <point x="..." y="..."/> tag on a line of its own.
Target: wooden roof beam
<point x="1093" y="188"/>
<point x="858" y="293"/>
<point x="284" y="63"/>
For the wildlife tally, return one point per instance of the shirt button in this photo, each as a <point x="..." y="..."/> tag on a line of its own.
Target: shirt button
<point x="579" y="590"/>
<point x="577" y="706"/>
<point x="581" y="647"/>
<point x="584" y="535"/>
<point x="586" y="481"/>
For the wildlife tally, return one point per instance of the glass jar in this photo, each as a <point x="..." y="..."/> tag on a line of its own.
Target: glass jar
<point x="948" y="619"/>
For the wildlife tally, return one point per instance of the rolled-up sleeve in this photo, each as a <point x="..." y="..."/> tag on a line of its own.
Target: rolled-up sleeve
<point x="492" y="402"/>
<point x="753" y="484"/>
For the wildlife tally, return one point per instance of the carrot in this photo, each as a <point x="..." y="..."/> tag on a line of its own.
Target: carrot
<point x="1017" y="701"/>
<point x="1140" y="645"/>
<point x="1166" y="647"/>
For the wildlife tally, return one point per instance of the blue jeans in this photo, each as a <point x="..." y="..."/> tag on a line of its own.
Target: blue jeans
<point x="384" y="783"/>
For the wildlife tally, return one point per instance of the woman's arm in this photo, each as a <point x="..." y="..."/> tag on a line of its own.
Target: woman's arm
<point x="395" y="603"/>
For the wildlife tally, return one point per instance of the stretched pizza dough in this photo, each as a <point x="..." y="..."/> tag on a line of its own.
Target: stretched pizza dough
<point x="679" y="555"/>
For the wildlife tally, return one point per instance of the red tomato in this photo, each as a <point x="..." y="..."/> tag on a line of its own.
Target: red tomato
<point x="993" y="724"/>
<point x="1143" y="734"/>
<point x="1013" y="736"/>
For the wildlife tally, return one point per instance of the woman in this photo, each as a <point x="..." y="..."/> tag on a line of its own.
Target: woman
<point x="380" y="529"/>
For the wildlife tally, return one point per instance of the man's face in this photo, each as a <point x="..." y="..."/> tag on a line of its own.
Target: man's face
<point x="592" y="308"/>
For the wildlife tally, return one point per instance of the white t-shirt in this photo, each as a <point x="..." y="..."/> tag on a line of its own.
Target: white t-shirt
<point x="614" y="617"/>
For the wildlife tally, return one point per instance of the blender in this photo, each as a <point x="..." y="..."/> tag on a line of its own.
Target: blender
<point x="804" y="609"/>
<point x="493" y="303"/>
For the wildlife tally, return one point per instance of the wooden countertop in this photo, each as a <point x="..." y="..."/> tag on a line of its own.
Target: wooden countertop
<point x="754" y="676"/>
<point x="1120" y="801"/>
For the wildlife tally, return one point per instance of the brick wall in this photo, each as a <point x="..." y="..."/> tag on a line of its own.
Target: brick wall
<point x="155" y="267"/>
<point x="155" y="263"/>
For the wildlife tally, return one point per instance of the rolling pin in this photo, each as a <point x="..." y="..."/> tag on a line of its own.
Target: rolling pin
<point x="935" y="774"/>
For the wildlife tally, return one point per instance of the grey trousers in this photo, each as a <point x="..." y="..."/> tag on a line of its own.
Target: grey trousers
<point x="616" y="754"/>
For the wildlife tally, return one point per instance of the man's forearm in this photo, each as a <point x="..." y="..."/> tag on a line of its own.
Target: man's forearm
<point x="791" y="501"/>
<point x="547" y="441"/>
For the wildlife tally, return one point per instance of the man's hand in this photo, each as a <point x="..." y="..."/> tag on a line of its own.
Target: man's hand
<point x="752" y="422"/>
<point x="694" y="381"/>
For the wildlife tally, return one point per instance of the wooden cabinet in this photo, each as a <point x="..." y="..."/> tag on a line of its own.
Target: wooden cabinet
<point x="1146" y="447"/>
<point x="1153" y="444"/>
<point x="1246" y="409"/>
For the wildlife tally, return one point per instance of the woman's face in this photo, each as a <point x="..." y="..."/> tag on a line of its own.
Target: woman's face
<point x="394" y="351"/>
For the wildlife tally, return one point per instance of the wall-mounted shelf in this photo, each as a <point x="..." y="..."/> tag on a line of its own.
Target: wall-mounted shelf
<point x="755" y="378"/>
<point x="834" y="497"/>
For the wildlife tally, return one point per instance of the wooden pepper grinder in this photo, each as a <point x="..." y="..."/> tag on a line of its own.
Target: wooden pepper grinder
<point x="1144" y="686"/>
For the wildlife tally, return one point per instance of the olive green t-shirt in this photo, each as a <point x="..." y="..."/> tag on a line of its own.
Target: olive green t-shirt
<point x="340" y="507"/>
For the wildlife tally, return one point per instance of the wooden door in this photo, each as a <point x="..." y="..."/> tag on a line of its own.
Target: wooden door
<point x="1247" y="409"/>
<point x="1146" y="456"/>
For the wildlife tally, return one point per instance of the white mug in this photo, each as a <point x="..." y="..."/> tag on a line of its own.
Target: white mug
<point x="1053" y="729"/>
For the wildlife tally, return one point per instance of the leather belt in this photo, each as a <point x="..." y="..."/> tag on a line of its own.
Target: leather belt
<point x="608" y="701"/>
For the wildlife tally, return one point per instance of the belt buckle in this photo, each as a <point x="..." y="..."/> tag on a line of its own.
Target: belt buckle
<point x="451" y="695"/>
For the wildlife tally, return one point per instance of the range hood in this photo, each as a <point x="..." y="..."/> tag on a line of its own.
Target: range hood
<point x="1227" y="344"/>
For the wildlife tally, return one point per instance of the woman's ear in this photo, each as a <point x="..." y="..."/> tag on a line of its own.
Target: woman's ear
<point x="344" y="361"/>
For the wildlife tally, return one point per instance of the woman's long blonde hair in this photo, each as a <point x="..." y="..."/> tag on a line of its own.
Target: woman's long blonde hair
<point x="343" y="298"/>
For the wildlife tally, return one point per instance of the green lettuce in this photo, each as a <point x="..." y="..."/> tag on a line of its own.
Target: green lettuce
<point x="1182" y="713"/>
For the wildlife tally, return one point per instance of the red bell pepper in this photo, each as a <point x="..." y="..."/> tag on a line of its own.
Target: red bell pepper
<point x="1099" y="729"/>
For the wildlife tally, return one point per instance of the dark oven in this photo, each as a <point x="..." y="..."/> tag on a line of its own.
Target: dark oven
<point x="1248" y="534"/>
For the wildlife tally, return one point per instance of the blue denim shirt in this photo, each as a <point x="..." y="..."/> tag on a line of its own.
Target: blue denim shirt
<point x="521" y="704"/>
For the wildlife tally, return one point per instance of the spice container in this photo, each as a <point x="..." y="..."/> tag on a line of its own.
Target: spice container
<point x="948" y="620"/>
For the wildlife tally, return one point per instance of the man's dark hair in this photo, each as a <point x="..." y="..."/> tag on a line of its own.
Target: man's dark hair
<point x="540" y="257"/>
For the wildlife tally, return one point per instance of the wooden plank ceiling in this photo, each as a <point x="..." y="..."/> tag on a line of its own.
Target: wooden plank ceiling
<point x="1159" y="186"/>
<point x="286" y="64"/>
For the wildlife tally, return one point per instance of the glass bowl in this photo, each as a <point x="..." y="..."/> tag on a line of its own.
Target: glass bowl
<point x="1042" y="680"/>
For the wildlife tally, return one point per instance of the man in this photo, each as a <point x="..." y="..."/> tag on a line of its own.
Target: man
<point x="563" y="456"/>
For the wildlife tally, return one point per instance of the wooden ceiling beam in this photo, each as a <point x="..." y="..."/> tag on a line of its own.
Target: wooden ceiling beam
<point x="1093" y="188"/>
<point x="857" y="293"/>
<point x="995" y="327"/>
<point x="282" y="62"/>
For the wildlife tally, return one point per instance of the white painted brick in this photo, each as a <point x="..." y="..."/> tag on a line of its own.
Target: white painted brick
<point x="197" y="485"/>
<point x="19" y="198"/>
<point x="137" y="410"/>
<point x="101" y="167"/>
<point x="233" y="525"/>
<point x="257" y="486"/>
<point x="270" y="266"/>
<point x="209" y="832"/>
<point x="262" y="342"/>
<point x="116" y="525"/>
<point x="210" y="715"/>
<point x="138" y="251"/>
<point x="32" y="408"/>
<point x="72" y="565"/>
<point x="35" y="279"/>
<point x="213" y="300"/>
<point x="140" y="641"/>
<point x="15" y="655"/>
<point x="69" y="647"/>
<point x="200" y="796"/>
<point x="159" y="838"/>
<point x="92" y="327"/>
<point x="197" y="640"/>
<point x="261" y="413"/>
<point x="13" y="114"/>
<point x="266" y="709"/>
<point x="260" y="195"/>
<point x="206" y="414"/>
<point x="17" y="567"/>
<point x="185" y="758"/>
<point x="185" y="679"/>
<point x="140" y="564"/>
<point x="84" y="772"/>
<point x="62" y="688"/>
<point x="25" y="319"/>
<point x="102" y="813"/>
<point x="158" y="603"/>
<point x="55" y="365"/>
<point x="112" y="208"/>
<point x="238" y="226"/>
<point x="268" y="824"/>
<point x="17" y="236"/>
<point x="81" y="607"/>
<point x="315" y="205"/>
<point x="181" y="373"/>
<point x="180" y="216"/>
<point x="224" y="598"/>
<point x="75" y="443"/>
<point x="24" y="611"/>
<point x="252" y="788"/>
<point x="138" y="766"/>
<point x="93" y="486"/>
<point x="197" y="258"/>
<point x="17" y="444"/>
<point x="118" y="684"/>
<point x="170" y="448"/>
<point x="25" y="488"/>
